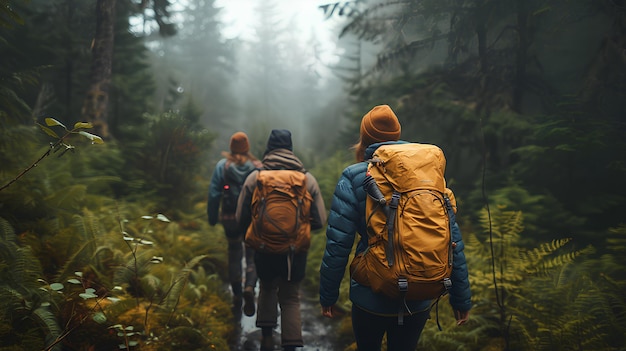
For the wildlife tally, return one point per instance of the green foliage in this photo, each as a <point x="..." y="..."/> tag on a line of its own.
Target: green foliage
<point x="14" y="79"/>
<point x="166" y="158"/>
<point x="328" y="171"/>
<point x="504" y="101"/>
<point x="60" y="143"/>
<point x="537" y="225"/>
<point x="542" y="298"/>
<point x="118" y="279"/>
<point x="133" y="82"/>
<point x="552" y="163"/>
<point x="24" y="307"/>
<point x="179" y="283"/>
<point x="12" y="107"/>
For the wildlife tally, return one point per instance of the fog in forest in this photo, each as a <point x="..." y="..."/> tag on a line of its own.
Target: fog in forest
<point x="256" y="66"/>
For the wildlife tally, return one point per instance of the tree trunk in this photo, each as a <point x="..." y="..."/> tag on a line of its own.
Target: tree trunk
<point x="95" y="106"/>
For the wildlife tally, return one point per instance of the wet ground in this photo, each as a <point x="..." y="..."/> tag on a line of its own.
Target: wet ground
<point x="316" y="331"/>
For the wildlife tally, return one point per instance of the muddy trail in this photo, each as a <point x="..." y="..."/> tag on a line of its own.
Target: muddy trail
<point x="317" y="331"/>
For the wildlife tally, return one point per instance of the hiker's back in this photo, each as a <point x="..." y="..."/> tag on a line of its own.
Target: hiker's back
<point x="408" y="223"/>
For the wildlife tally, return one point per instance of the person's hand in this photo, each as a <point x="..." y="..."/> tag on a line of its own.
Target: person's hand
<point x="461" y="317"/>
<point x="328" y="311"/>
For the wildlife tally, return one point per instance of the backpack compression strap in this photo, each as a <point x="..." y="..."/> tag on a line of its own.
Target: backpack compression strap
<point x="446" y="281"/>
<point x="391" y="223"/>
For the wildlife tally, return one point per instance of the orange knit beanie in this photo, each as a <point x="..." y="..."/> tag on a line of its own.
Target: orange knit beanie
<point x="239" y="143"/>
<point x="378" y="125"/>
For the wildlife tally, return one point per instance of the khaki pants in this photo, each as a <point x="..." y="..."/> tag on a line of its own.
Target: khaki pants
<point x="273" y="293"/>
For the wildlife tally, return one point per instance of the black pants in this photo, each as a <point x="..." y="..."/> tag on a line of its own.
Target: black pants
<point x="369" y="330"/>
<point x="237" y="250"/>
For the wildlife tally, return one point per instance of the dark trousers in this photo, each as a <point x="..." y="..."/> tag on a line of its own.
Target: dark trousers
<point x="369" y="330"/>
<point x="236" y="251"/>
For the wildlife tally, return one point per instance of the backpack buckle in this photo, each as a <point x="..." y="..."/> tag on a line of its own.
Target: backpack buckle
<point x="403" y="284"/>
<point x="395" y="200"/>
<point x="447" y="283"/>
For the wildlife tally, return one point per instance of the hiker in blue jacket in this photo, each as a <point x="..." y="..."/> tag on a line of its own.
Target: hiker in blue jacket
<point x="228" y="177"/>
<point x="374" y="314"/>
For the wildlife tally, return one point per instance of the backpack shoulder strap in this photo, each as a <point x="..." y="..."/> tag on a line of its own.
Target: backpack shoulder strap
<point x="226" y="166"/>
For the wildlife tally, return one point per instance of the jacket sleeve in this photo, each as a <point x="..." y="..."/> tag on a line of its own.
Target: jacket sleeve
<point x="215" y="192"/>
<point x="244" y="202"/>
<point x="460" y="294"/>
<point x="340" y="234"/>
<point x="318" y="209"/>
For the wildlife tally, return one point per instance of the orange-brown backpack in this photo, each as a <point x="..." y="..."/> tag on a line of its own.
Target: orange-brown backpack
<point x="409" y="256"/>
<point x="281" y="207"/>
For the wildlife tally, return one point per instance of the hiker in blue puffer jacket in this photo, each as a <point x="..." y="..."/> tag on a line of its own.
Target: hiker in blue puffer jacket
<point x="373" y="314"/>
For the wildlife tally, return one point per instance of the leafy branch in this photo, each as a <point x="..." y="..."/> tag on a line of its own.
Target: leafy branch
<point x="59" y="144"/>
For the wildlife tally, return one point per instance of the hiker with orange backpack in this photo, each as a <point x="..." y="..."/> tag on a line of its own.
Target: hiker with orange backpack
<point x="228" y="177"/>
<point x="280" y="203"/>
<point x="396" y="199"/>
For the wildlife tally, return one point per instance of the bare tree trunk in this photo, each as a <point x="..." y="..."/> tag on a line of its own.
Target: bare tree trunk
<point x="95" y="106"/>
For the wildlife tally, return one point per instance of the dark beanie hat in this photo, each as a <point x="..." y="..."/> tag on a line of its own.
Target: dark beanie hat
<point x="279" y="139"/>
<point x="239" y="143"/>
<point x="379" y="124"/>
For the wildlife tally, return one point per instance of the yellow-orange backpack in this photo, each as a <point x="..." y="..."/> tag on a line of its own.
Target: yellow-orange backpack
<point x="409" y="211"/>
<point x="280" y="207"/>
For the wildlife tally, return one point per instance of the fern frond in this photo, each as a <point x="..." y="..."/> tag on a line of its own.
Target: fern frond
<point x="7" y="233"/>
<point x="88" y="236"/>
<point x="173" y="296"/>
<point x="67" y="197"/>
<point x="544" y="249"/>
<point x="194" y="261"/>
<point x="544" y="264"/>
<point x="48" y="322"/>
<point x="81" y="258"/>
<point x="117" y="309"/>
<point x="26" y="268"/>
<point x="135" y="267"/>
<point x="616" y="242"/>
<point x="10" y="301"/>
<point x="191" y="336"/>
<point x="151" y="285"/>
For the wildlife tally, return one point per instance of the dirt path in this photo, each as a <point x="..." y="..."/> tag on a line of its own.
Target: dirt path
<point x="316" y="331"/>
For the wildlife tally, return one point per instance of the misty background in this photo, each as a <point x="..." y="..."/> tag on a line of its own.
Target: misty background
<point x="525" y="97"/>
<point x="255" y="66"/>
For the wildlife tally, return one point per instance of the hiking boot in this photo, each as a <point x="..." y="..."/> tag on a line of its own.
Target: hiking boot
<point x="248" y="301"/>
<point x="267" y="343"/>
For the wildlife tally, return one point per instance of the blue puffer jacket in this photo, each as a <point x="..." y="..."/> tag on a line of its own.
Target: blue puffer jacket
<point x="346" y="218"/>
